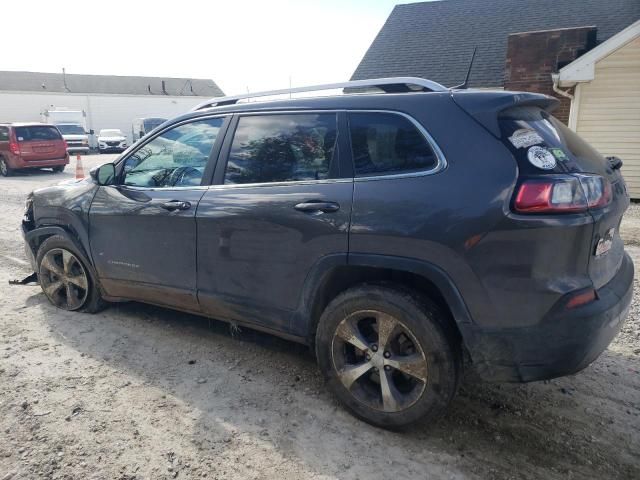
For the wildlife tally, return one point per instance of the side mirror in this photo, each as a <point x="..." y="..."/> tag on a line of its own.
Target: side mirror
<point x="91" y="132"/>
<point x="104" y="174"/>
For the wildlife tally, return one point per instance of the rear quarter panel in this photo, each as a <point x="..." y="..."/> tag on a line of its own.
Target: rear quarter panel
<point x="510" y="271"/>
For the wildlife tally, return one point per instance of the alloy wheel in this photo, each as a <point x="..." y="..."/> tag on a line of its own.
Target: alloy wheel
<point x="379" y="361"/>
<point x="64" y="279"/>
<point x="4" y="170"/>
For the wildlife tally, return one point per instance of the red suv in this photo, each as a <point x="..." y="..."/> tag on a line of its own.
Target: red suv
<point x="31" y="145"/>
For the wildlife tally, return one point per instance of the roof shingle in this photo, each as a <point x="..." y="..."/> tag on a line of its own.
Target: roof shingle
<point x="435" y="40"/>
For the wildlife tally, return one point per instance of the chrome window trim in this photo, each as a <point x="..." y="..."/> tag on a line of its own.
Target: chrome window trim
<point x="159" y="189"/>
<point x="226" y="186"/>
<point x="441" y="159"/>
<point x="439" y="167"/>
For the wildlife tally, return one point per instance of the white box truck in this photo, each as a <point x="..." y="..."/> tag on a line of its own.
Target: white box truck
<point x="73" y="127"/>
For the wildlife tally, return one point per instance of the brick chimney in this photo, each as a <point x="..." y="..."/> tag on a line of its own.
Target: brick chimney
<point x="533" y="56"/>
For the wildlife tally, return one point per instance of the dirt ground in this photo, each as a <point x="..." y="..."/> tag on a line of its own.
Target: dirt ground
<point x="141" y="392"/>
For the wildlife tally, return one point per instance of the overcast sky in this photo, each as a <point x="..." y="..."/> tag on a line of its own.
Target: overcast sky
<point x="238" y="43"/>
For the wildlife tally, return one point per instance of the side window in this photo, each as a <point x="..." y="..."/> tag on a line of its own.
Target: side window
<point x="282" y="148"/>
<point x="177" y="158"/>
<point x="4" y="134"/>
<point x="387" y="143"/>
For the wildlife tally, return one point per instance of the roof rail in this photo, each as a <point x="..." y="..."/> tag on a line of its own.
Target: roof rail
<point x="389" y="85"/>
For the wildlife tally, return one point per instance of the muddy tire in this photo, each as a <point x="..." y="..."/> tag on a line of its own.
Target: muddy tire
<point x="5" y="170"/>
<point x="66" y="280"/>
<point x="388" y="355"/>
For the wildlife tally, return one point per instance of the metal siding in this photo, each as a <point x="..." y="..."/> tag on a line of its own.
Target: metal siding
<point x="609" y="111"/>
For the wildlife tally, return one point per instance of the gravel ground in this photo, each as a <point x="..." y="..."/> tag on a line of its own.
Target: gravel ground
<point x="141" y="392"/>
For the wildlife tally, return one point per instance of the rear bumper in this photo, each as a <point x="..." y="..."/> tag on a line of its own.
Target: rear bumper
<point x="565" y="342"/>
<point x="84" y="150"/>
<point x="52" y="162"/>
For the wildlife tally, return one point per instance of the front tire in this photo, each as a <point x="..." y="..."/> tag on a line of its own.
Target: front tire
<point x="388" y="356"/>
<point x="5" y="169"/>
<point x="67" y="282"/>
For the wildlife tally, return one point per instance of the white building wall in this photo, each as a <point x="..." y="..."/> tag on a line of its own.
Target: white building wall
<point x="608" y="110"/>
<point x="103" y="111"/>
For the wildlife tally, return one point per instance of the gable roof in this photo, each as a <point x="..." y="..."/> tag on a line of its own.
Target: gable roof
<point x="435" y="40"/>
<point x="106" y="84"/>
<point x="582" y="69"/>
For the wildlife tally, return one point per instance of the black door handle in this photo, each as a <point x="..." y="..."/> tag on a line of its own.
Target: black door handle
<point x="176" y="205"/>
<point x="326" y="207"/>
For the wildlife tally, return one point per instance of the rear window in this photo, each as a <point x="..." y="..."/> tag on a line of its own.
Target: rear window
<point x="387" y="143"/>
<point x="26" y="134"/>
<point x="540" y="142"/>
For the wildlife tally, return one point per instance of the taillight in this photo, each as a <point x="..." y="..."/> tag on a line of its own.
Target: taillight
<point x="14" y="148"/>
<point x="65" y="144"/>
<point x="562" y="194"/>
<point x="596" y="189"/>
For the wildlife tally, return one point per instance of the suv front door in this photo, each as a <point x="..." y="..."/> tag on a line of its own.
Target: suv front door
<point x="277" y="207"/>
<point x="143" y="229"/>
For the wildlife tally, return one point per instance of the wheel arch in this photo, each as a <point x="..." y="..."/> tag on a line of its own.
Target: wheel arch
<point x="38" y="235"/>
<point x="335" y="274"/>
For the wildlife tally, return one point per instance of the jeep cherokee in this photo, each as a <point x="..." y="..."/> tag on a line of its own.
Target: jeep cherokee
<point x="402" y="233"/>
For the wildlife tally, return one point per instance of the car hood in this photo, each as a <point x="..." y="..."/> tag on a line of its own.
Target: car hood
<point x="112" y="139"/>
<point x="63" y="193"/>
<point x="65" y="204"/>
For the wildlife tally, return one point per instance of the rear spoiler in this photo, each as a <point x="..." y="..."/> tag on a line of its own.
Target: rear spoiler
<point x="484" y="107"/>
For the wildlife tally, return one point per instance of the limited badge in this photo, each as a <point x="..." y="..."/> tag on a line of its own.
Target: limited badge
<point x="542" y="158"/>
<point x="559" y="154"/>
<point x="525" y="137"/>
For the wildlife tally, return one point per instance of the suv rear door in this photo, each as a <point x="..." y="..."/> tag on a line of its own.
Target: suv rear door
<point x="39" y="142"/>
<point x="143" y="229"/>
<point x="279" y="204"/>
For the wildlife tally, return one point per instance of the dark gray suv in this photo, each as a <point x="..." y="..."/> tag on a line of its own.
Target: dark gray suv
<point x="404" y="234"/>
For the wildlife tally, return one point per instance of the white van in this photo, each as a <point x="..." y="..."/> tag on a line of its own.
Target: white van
<point x="142" y="126"/>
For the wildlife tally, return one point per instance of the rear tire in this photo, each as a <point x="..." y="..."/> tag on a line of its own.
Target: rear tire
<point x="5" y="169"/>
<point x="58" y="169"/>
<point x="66" y="280"/>
<point x="388" y="355"/>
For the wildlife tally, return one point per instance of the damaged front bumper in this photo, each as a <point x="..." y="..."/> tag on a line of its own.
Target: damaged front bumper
<point x="27" y="226"/>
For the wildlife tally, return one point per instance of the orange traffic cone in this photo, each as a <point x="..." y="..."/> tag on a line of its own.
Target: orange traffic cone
<point x="79" y="169"/>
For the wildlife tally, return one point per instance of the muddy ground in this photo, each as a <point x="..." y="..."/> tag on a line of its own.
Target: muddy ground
<point x="141" y="392"/>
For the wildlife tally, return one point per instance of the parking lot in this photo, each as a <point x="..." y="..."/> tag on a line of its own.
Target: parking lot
<point x="142" y="392"/>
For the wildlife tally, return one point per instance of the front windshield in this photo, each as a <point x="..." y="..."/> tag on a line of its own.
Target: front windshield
<point x="110" y="133"/>
<point x="71" y="129"/>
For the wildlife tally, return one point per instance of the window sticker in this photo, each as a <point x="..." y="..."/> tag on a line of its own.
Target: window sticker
<point x="542" y="158"/>
<point x="20" y="139"/>
<point x="525" y="137"/>
<point x="559" y="154"/>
